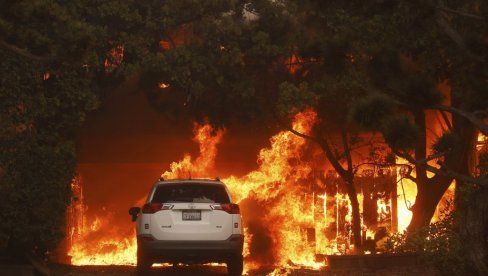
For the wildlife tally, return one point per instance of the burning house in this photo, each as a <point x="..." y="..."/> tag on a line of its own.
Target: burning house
<point x="295" y="208"/>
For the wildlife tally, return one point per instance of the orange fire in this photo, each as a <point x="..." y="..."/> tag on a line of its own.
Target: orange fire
<point x="204" y="164"/>
<point x="273" y="181"/>
<point x="406" y="191"/>
<point x="294" y="210"/>
<point x="277" y="184"/>
<point x="97" y="242"/>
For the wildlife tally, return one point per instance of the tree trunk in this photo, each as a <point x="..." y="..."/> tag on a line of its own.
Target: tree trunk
<point x="356" y="217"/>
<point x="429" y="194"/>
<point x="473" y="210"/>
<point x="348" y="176"/>
<point x="431" y="190"/>
<point x="474" y="230"/>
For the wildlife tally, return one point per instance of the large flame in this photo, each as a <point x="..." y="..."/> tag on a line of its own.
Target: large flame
<point x="98" y="242"/>
<point x="407" y="191"/>
<point x="276" y="182"/>
<point x="294" y="209"/>
<point x="203" y="165"/>
<point x="277" y="186"/>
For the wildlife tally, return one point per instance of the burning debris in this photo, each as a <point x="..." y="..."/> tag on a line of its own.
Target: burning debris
<point x="295" y="209"/>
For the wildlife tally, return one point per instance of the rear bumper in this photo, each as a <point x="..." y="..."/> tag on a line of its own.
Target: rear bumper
<point x="191" y="251"/>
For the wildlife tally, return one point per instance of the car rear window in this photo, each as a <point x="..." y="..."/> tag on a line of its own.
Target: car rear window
<point x="190" y="192"/>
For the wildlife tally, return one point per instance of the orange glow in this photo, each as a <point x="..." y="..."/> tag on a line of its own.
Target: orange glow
<point x="406" y="191"/>
<point x="291" y="203"/>
<point x="87" y="247"/>
<point x="272" y="181"/>
<point x="115" y="58"/>
<point x="204" y="163"/>
<point x="293" y="63"/>
<point x="180" y="36"/>
<point x="163" y="85"/>
<point x="276" y="184"/>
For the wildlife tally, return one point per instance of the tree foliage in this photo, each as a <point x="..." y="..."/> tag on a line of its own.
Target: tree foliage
<point x="55" y="59"/>
<point x="45" y="94"/>
<point x="380" y="63"/>
<point x="438" y="244"/>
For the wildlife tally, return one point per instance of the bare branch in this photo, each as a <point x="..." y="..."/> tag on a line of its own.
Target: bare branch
<point x="410" y="177"/>
<point x="446" y="120"/>
<point x="471" y="117"/>
<point x="423" y="161"/>
<point x="299" y="134"/>
<point x="481" y="113"/>
<point x="408" y="173"/>
<point x="482" y="181"/>
<point x="454" y="35"/>
<point x="334" y="161"/>
<point x="461" y="13"/>
<point x="324" y="144"/>
<point x="24" y="52"/>
<point x="347" y="151"/>
<point x="443" y="170"/>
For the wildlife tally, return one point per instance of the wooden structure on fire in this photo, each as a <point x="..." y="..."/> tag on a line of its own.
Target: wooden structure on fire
<point x="377" y="194"/>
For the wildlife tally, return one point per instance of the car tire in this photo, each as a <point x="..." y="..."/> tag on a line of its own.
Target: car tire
<point x="235" y="265"/>
<point x="143" y="262"/>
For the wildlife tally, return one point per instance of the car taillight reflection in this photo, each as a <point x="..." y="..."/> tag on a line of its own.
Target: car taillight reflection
<point x="153" y="207"/>
<point x="230" y="208"/>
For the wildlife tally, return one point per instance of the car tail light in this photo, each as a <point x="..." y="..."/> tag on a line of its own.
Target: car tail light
<point x="147" y="238"/>
<point x="230" y="208"/>
<point x="151" y="208"/>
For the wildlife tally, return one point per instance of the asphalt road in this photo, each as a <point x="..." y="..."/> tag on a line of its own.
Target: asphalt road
<point x="198" y="270"/>
<point x="127" y="270"/>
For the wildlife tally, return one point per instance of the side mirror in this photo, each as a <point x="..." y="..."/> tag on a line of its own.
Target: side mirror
<point x="134" y="212"/>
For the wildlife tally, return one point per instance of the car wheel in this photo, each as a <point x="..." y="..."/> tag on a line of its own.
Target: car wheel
<point x="235" y="265"/>
<point x="143" y="262"/>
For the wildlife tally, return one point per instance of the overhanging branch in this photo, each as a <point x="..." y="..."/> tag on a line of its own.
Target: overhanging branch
<point x="461" y="13"/>
<point x="454" y="35"/>
<point x="299" y="134"/>
<point x="24" y="52"/>
<point x="324" y="144"/>
<point x="443" y="170"/>
<point x="472" y="118"/>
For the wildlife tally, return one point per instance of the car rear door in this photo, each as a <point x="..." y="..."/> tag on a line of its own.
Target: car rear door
<point x="191" y="211"/>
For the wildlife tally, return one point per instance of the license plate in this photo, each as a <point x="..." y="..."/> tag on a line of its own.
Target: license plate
<point x="192" y="215"/>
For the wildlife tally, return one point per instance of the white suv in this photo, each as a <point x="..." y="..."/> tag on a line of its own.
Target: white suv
<point x="189" y="221"/>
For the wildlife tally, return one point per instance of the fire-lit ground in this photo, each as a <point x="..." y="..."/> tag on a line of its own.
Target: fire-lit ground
<point x="220" y="270"/>
<point x="293" y="207"/>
